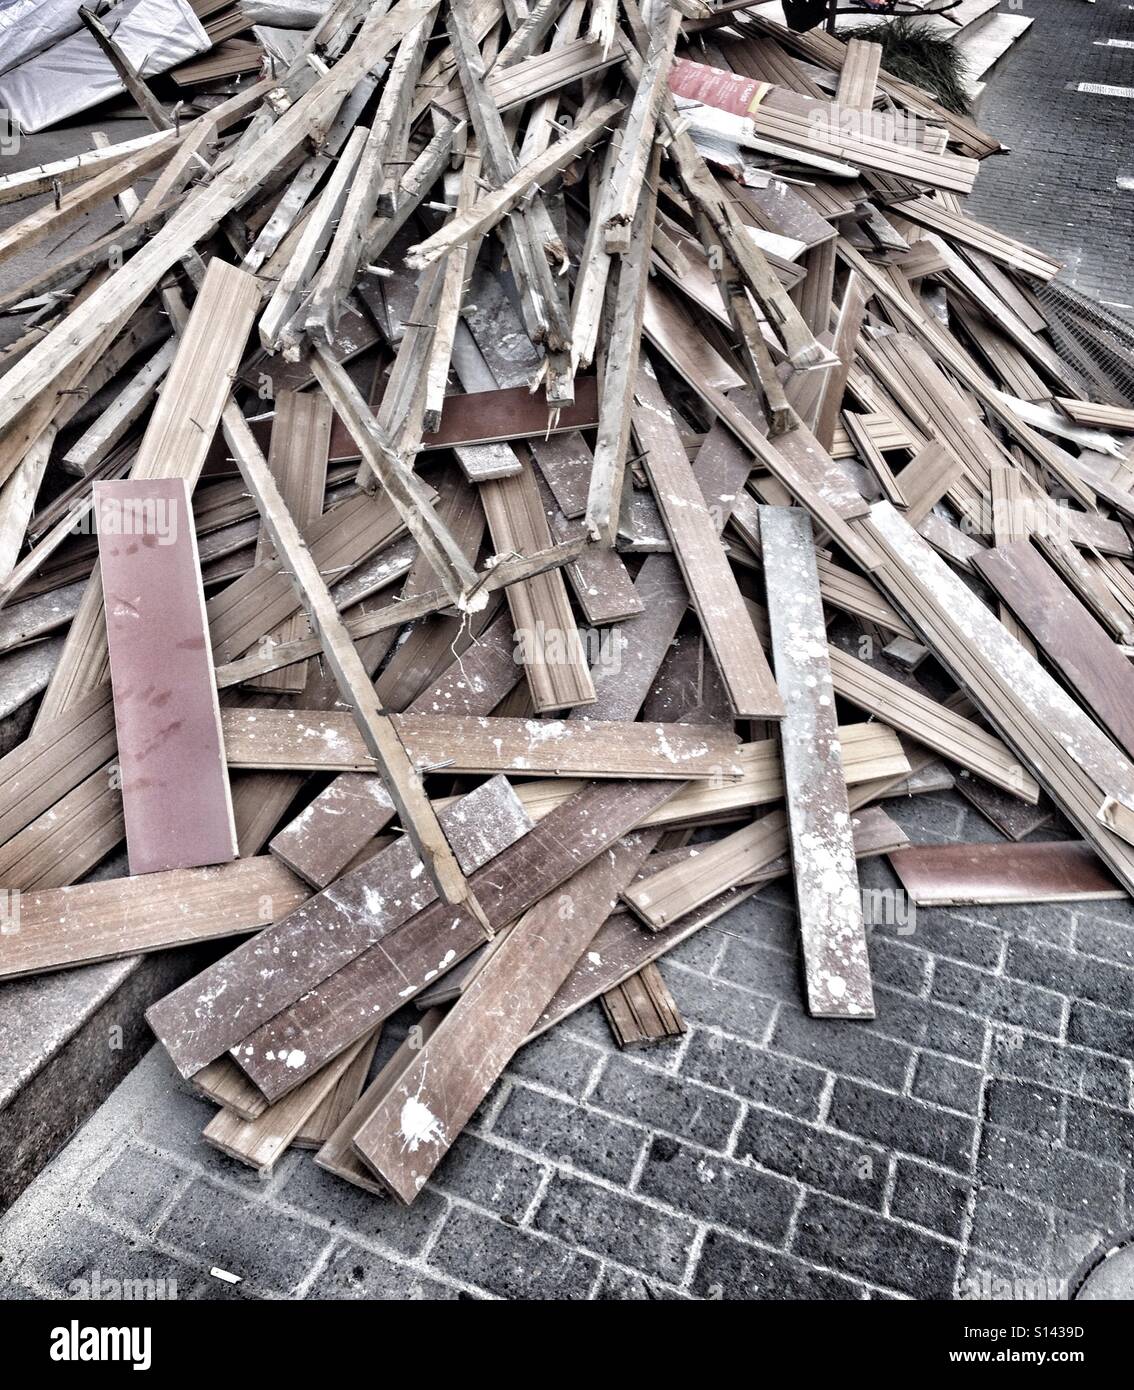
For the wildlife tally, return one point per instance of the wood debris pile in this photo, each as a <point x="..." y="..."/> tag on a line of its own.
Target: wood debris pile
<point x="522" y="479"/>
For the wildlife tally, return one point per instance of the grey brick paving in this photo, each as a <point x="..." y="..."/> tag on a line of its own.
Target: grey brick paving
<point x="979" y="1129"/>
<point x="1059" y="187"/>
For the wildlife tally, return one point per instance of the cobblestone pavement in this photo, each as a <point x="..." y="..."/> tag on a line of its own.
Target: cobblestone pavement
<point x="979" y="1131"/>
<point x="1068" y="185"/>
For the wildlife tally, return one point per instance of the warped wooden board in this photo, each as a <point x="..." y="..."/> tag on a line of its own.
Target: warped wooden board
<point x="261" y="1142"/>
<point x="641" y="1010"/>
<point x="414" y="1125"/>
<point x="337" y="1154"/>
<point x="355" y="806"/>
<point x="1071" y="638"/>
<point x="220" y="1006"/>
<point x="300" y="739"/>
<point x="342" y="1008"/>
<point x="548" y="640"/>
<point x="836" y="965"/>
<point x="174" y="780"/>
<point x="625" y="944"/>
<point x="64" y="927"/>
<point x="869" y="751"/>
<point x="993" y="874"/>
<point x="697" y="549"/>
<point x="1079" y="766"/>
<point x="314" y="1132"/>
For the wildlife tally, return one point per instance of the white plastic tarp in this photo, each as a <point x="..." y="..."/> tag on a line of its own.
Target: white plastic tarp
<point x="74" y="74"/>
<point x="26" y="26"/>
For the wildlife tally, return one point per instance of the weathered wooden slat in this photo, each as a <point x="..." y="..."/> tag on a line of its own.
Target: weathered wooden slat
<point x="64" y="927"/>
<point x="219" y="1007"/>
<point x="836" y="965"/>
<point x="641" y="1010"/>
<point x="412" y="1128"/>
<point x="333" y="1109"/>
<point x="380" y="980"/>
<point x="697" y="550"/>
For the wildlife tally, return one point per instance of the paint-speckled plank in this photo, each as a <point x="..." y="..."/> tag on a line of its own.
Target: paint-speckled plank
<point x="697" y="549"/>
<point x="325" y="837"/>
<point x="625" y="945"/>
<point x="836" y="965"/>
<point x="413" y="1127"/>
<point x="59" y="928"/>
<point x="379" y="981"/>
<point x="305" y="739"/>
<point x="262" y="1142"/>
<point x="220" y="1006"/>
<point x="175" y="792"/>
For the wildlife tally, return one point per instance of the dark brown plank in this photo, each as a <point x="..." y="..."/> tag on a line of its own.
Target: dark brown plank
<point x="956" y="875"/>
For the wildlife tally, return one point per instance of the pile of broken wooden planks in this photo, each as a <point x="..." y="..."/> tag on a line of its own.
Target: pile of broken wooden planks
<point x="516" y="483"/>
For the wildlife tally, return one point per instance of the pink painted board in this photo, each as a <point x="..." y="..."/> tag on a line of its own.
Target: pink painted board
<point x="174" y="778"/>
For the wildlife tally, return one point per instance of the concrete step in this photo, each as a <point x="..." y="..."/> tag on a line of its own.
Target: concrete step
<point x="983" y="48"/>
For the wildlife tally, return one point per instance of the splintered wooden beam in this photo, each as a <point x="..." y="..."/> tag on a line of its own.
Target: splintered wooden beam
<point x="217" y="1008"/>
<point x="490" y="208"/>
<point x="697" y="549"/>
<point x="457" y="267"/>
<point x="402" y="780"/>
<point x="638" y="135"/>
<point x="620" y="367"/>
<point x="832" y="930"/>
<point x="175" y="791"/>
<point x="403" y="487"/>
<point x="385" y="141"/>
<point x="411" y="1130"/>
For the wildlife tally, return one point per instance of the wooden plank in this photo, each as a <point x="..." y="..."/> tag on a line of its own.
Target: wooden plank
<point x="226" y="1085"/>
<point x="624" y="944"/>
<point x="301" y="436"/>
<point x="382" y="741"/>
<point x="993" y="874"/>
<point x="859" y="74"/>
<point x="1081" y="769"/>
<point x="337" y="1154"/>
<point x="1075" y="644"/>
<point x="641" y="1010"/>
<point x="413" y="1127"/>
<point x="299" y="739"/>
<point x="548" y="640"/>
<point x="380" y="980"/>
<point x="220" y="1006"/>
<point x="262" y="1142"/>
<point x="175" y="792"/>
<point x="175" y="445"/>
<point x="1107" y="417"/>
<point x="704" y="566"/>
<point x="956" y="738"/>
<point x="329" y="1113"/>
<point x="836" y="965"/>
<point x="64" y="927"/>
